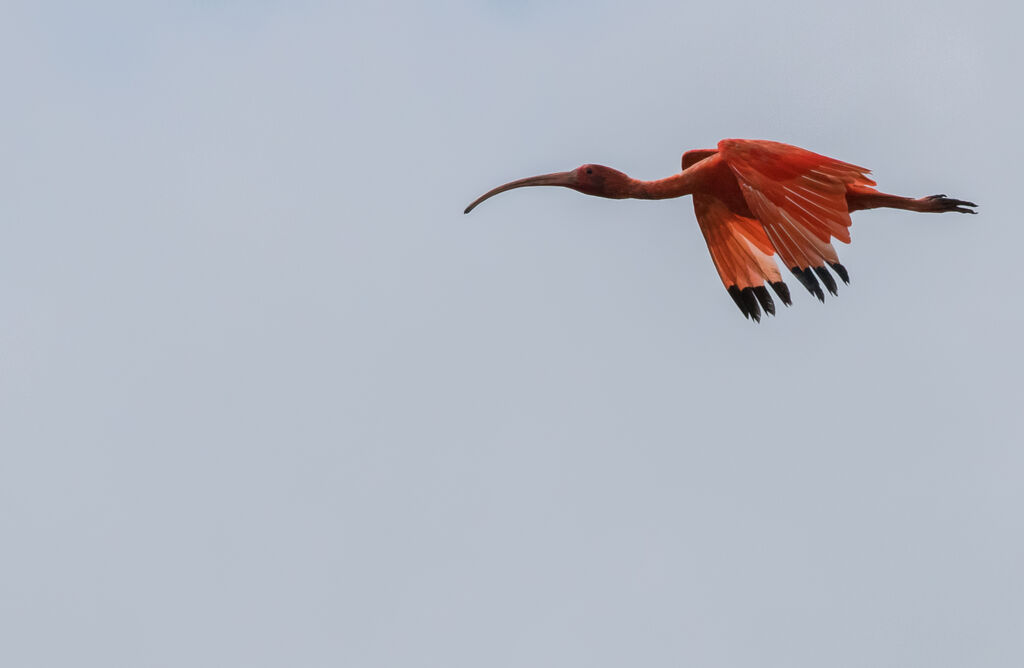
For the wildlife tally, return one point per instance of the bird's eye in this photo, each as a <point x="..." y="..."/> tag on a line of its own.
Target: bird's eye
<point x="589" y="170"/>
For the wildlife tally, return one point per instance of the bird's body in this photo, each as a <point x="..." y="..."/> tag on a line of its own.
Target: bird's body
<point x="754" y="199"/>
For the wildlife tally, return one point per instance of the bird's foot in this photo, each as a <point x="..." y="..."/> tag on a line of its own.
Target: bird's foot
<point x="941" y="204"/>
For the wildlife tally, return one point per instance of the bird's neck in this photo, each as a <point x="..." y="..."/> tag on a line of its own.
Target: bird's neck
<point x="677" y="185"/>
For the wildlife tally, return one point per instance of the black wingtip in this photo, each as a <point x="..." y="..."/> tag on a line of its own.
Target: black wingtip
<point x="734" y="292"/>
<point x="840" y="271"/>
<point x="764" y="299"/>
<point x="752" y="305"/>
<point x="807" y="279"/>
<point x="782" y="290"/>
<point x="827" y="279"/>
<point x="747" y="302"/>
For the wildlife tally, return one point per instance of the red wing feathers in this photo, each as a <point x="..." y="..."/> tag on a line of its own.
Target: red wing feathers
<point x="742" y="255"/>
<point x="800" y="199"/>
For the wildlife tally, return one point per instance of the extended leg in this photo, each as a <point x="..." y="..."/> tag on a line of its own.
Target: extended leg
<point x="859" y="197"/>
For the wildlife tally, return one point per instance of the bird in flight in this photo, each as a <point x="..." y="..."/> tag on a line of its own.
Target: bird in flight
<point x="753" y="199"/>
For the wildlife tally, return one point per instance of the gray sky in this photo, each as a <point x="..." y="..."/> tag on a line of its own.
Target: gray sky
<point x="267" y="398"/>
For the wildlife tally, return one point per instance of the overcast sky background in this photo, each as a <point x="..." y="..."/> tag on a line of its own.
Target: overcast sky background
<point x="268" y="398"/>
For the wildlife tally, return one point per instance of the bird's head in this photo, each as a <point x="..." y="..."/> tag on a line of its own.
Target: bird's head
<point x="596" y="180"/>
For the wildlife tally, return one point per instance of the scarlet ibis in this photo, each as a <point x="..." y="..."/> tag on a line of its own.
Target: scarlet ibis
<point x="753" y="199"/>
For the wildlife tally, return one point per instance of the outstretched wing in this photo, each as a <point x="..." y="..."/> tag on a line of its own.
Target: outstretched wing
<point x="742" y="254"/>
<point x="800" y="199"/>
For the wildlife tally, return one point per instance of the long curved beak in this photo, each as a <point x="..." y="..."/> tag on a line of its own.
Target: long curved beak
<point x="567" y="179"/>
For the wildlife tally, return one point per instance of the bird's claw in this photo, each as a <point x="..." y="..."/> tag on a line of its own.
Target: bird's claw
<point x="941" y="203"/>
